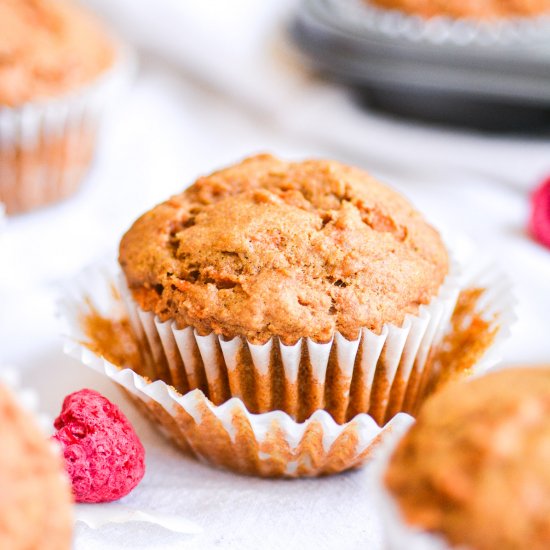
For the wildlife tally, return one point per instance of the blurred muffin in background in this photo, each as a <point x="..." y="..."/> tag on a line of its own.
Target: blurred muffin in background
<point x="56" y="72"/>
<point x="471" y="9"/>
<point x="36" y="503"/>
<point x="475" y="468"/>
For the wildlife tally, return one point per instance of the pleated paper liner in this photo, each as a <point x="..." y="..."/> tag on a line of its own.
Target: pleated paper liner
<point x="230" y="437"/>
<point x="499" y="301"/>
<point x="46" y="147"/>
<point x="371" y="374"/>
<point x="221" y="429"/>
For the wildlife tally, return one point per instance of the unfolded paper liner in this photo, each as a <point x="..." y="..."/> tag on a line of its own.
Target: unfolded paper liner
<point x="397" y="534"/>
<point x="361" y="16"/>
<point x="108" y="513"/>
<point x="46" y="146"/>
<point x="228" y="436"/>
<point x="272" y="443"/>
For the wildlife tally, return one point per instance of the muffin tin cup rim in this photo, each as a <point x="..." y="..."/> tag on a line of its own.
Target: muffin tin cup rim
<point x="366" y="19"/>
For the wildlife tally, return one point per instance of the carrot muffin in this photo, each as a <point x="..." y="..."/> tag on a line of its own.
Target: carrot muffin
<point x="301" y="254"/>
<point x="471" y="9"/>
<point x="475" y="468"/>
<point x="270" y="248"/>
<point x="52" y="54"/>
<point x="36" y="503"/>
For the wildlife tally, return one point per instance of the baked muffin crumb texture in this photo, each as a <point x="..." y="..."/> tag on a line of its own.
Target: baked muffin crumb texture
<point x="269" y="248"/>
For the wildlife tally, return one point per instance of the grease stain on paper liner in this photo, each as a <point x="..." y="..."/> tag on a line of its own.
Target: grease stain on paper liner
<point x="470" y="336"/>
<point x="344" y="378"/>
<point x="270" y="444"/>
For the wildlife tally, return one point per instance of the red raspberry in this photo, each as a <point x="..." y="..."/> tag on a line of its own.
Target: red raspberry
<point x="103" y="455"/>
<point x="539" y="223"/>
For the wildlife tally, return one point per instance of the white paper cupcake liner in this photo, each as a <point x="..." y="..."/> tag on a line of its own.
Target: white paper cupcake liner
<point x="272" y="443"/>
<point x="97" y="516"/>
<point x="47" y="146"/>
<point x="361" y="16"/>
<point x="371" y="374"/>
<point x="498" y="302"/>
<point x="229" y="436"/>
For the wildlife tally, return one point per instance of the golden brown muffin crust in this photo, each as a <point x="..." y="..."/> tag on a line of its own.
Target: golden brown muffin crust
<point x="295" y="250"/>
<point x="48" y="48"/>
<point x="36" y="502"/>
<point x="472" y="9"/>
<point x="476" y="465"/>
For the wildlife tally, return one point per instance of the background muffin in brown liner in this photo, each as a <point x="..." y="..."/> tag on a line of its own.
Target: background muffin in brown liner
<point x="293" y="286"/>
<point x="59" y="71"/>
<point x="473" y="471"/>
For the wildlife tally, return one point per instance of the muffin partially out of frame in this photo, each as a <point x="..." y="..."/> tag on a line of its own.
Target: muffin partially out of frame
<point x="58" y="67"/>
<point x="287" y="314"/>
<point x="475" y="468"/>
<point x="36" y="503"/>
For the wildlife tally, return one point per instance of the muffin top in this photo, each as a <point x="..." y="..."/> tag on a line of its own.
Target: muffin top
<point x="475" y="468"/>
<point x="48" y="48"/>
<point x="36" y="503"/>
<point x="471" y="9"/>
<point x="271" y="248"/>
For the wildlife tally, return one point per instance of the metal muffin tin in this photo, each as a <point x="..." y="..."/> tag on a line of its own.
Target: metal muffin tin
<point x="437" y="68"/>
